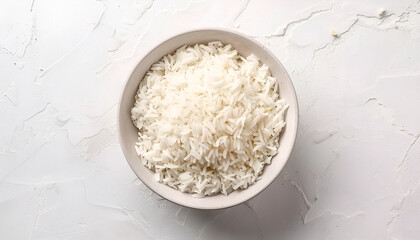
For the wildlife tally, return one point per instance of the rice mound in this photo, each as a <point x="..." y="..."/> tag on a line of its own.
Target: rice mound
<point x="209" y="120"/>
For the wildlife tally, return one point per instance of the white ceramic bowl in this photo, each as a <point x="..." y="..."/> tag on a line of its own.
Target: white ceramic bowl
<point x="245" y="45"/>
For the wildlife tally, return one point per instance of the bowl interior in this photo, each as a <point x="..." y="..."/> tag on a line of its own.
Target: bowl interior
<point x="245" y="46"/>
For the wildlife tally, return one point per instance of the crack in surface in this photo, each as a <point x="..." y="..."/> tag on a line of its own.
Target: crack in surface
<point x="392" y="118"/>
<point x="203" y="229"/>
<point x="407" y="151"/>
<point x="293" y="23"/>
<point x="246" y="204"/>
<point x="48" y="68"/>
<point x="245" y="7"/>
<point x="400" y="206"/>
<point x="102" y="114"/>
<point x="32" y="5"/>
<point x="37" y="113"/>
<point x="30" y="41"/>
<point x="105" y="67"/>
<point x="358" y="213"/>
<point x="339" y="37"/>
<point x="100" y="19"/>
<point x="83" y="39"/>
<point x="305" y="198"/>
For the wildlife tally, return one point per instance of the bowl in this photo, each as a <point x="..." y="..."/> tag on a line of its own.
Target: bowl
<point x="128" y="132"/>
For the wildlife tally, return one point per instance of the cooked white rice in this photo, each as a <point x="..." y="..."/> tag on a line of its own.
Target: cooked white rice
<point x="208" y="119"/>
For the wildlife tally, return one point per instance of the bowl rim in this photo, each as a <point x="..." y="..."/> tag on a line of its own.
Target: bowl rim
<point x="169" y="38"/>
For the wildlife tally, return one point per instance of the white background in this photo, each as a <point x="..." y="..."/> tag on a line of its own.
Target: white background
<point x="354" y="172"/>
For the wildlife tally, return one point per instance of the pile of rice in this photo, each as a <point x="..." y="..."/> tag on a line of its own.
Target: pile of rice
<point x="208" y="119"/>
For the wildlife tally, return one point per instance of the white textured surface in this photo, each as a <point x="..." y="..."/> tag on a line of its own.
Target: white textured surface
<point x="355" y="170"/>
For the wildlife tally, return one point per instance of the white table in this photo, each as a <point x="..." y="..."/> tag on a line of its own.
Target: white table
<point x="355" y="170"/>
